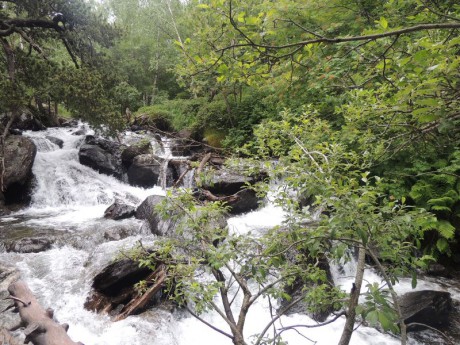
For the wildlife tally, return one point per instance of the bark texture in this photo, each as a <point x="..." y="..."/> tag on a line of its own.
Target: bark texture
<point x="41" y="328"/>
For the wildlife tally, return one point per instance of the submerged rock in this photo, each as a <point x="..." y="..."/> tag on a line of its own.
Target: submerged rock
<point x="31" y="245"/>
<point x="54" y="140"/>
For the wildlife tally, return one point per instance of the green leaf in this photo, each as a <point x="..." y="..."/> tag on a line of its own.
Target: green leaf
<point x="442" y="245"/>
<point x="383" y="22"/>
<point x="414" y="280"/>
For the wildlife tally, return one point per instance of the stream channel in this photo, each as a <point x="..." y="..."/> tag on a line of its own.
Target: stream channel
<point x="68" y="203"/>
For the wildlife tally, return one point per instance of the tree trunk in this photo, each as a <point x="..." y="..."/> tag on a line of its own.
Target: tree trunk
<point x="41" y="329"/>
<point x="354" y="296"/>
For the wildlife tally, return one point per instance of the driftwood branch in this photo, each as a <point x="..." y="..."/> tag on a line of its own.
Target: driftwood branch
<point x="139" y="303"/>
<point x="40" y="329"/>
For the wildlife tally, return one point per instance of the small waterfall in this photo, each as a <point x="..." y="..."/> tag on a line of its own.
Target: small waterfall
<point x="163" y="179"/>
<point x="44" y="145"/>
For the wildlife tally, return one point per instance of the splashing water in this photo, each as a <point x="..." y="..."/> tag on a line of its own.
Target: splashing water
<point x="68" y="193"/>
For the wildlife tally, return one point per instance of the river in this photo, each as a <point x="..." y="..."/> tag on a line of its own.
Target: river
<point x="68" y="202"/>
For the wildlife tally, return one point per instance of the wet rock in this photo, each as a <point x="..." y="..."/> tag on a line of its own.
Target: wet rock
<point x="81" y="131"/>
<point x="146" y="211"/>
<point x="117" y="233"/>
<point x="27" y="122"/>
<point x="30" y="245"/>
<point x="246" y="200"/>
<point x="68" y="123"/>
<point x="438" y="270"/>
<point x="114" y="287"/>
<point x="119" y="275"/>
<point x="57" y="141"/>
<point x="231" y="187"/>
<point x="226" y="182"/>
<point x="19" y="158"/>
<point x="129" y="153"/>
<point x="102" y="155"/>
<point x="146" y="170"/>
<point x="119" y="210"/>
<point x="428" y="307"/>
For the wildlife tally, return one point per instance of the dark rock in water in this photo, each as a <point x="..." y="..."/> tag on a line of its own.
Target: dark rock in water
<point x="298" y="287"/>
<point x="119" y="275"/>
<point x="28" y="122"/>
<point x="113" y="289"/>
<point x="15" y="131"/>
<point x="246" y="200"/>
<point x="119" y="210"/>
<point x="129" y="153"/>
<point x="438" y="270"/>
<point x="56" y="141"/>
<point x="227" y="182"/>
<point x="19" y="157"/>
<point x="31" y="245"/>
<point x="146" y="211"/>
<point x="145" y="171"/>
<point x="68" y="123"/>
<point x="80" y="131"/>
<point x="102" y="155"/>
<point x="428" y="307"/>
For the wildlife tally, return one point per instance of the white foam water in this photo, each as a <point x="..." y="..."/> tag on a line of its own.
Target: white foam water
<point x="68" y="194"/>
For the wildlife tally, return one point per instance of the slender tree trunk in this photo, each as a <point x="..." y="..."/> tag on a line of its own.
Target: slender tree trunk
<point x="354" y="296"/>
<point x="394" y="296"/>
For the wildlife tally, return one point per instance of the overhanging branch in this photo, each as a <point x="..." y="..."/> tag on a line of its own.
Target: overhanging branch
<point x="335" y="40"/>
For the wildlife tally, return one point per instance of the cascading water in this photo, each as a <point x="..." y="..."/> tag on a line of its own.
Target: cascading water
<point x="72" y="197"/>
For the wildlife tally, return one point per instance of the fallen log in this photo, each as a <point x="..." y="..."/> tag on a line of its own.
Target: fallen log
<point x="40" y="328"/>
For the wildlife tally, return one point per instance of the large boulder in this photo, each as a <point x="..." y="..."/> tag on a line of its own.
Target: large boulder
<point x="148" y="170"/>
<point x="19" y="158"/>
<point x="119" y="210"/>
<point x="427" y="307"/>
<point x="102" y="155"/>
